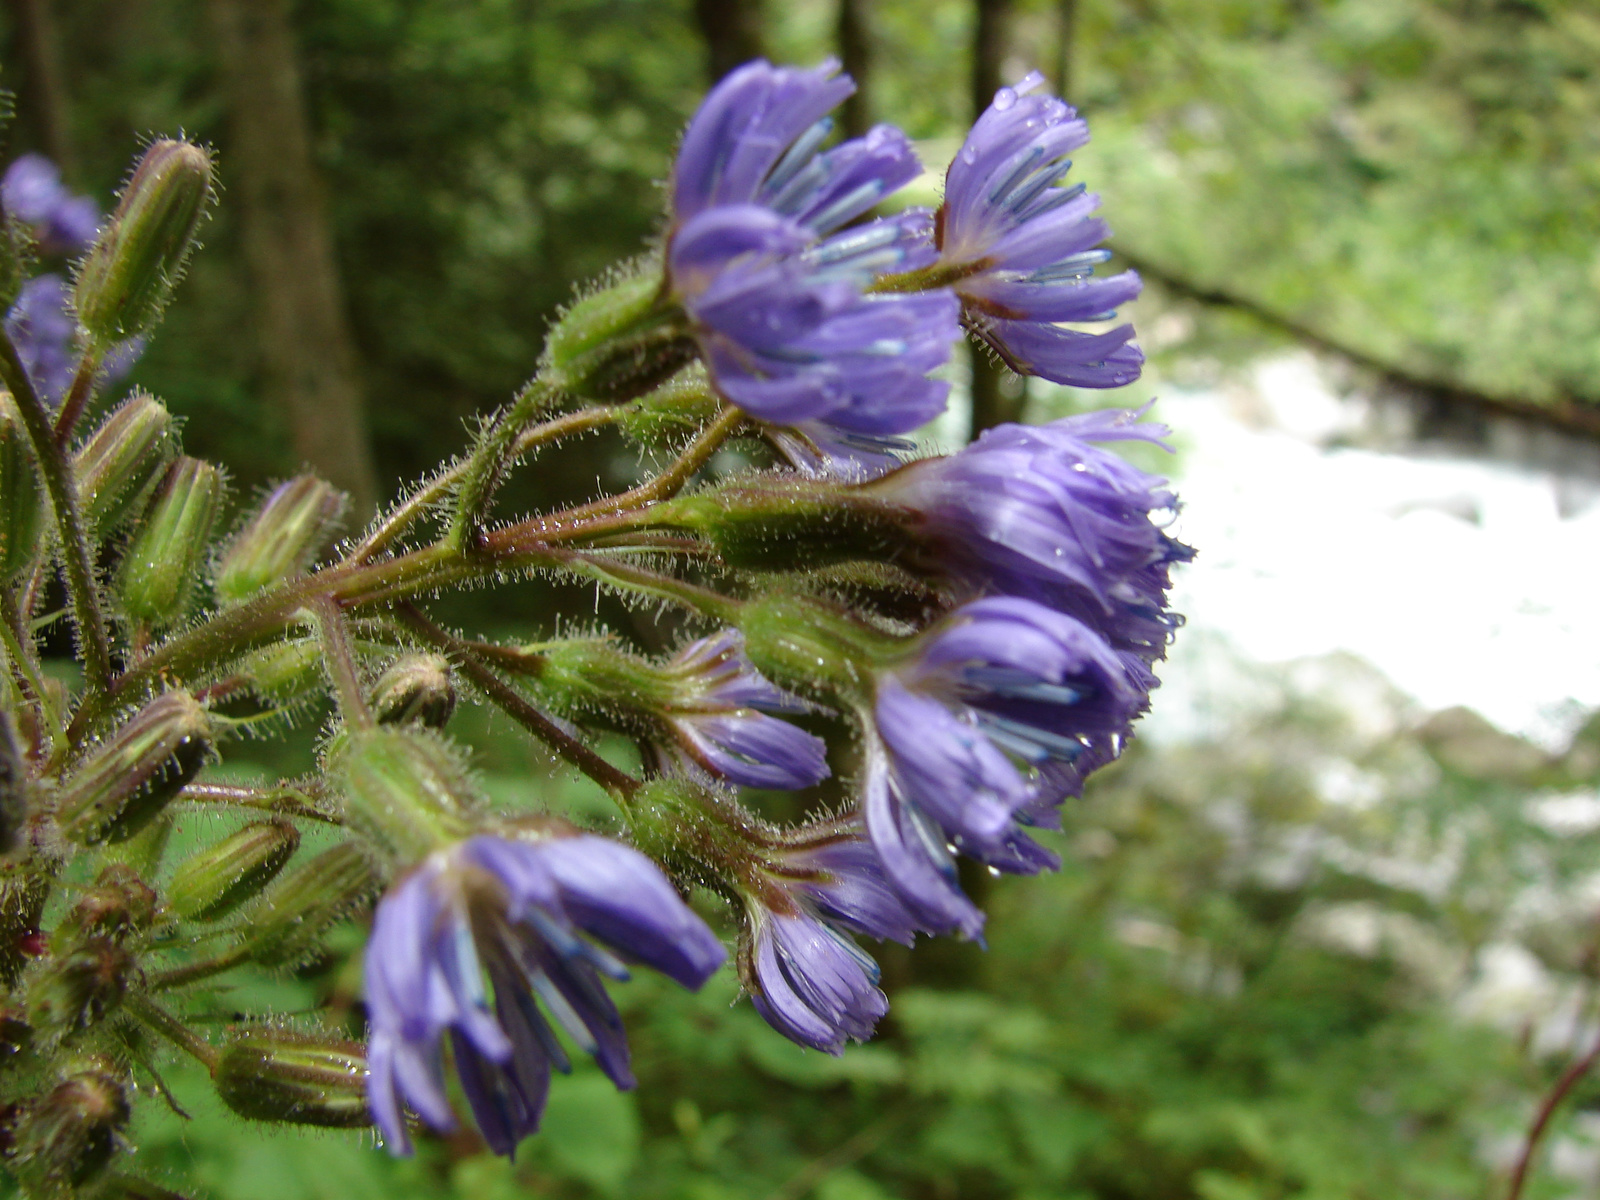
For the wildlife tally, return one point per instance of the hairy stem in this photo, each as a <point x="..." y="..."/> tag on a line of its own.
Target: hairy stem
<point x="340" y="660"/>
<point x="516" y="706"/>
<point x="487" y="463"/>
<point x="160" y="1021"/>
<point x="284" y="800"/>
<point x="410" y="510"/>
<point x="25" y="664"/>
<point x="75" y="555"/>
<point x="671" y="481"/>
<point x="78" y="397"/>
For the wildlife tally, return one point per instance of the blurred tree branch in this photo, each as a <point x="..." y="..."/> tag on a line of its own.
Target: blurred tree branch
<point x="854" y="40"/>
<point x="1568" y="415"/>
<point x="43" y="88"/>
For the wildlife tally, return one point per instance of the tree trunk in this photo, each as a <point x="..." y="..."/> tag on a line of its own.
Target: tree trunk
<point x="855" y="53"/>
<point x="732" y="30"/>
<point x="44" y="93"/>
<point x="308" y="352"/>
<point x="996" y="394"/>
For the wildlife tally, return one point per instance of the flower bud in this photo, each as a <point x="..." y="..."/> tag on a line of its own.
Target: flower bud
<point x="286" y="673"/>
<point x="672" y="412"/>
<point x="128" y="275"/>
<point x="21" y="505"/>
<point x="130" y="1187"/>
<point x="298" y="1078"/>
<point x="167" y="551"/>
<point x="416" y="687"/>
<point x="65" y="1139"/>
<point x="223" y="876"/>
<point x="121" y="460"/>
<point x="288" y="924"/>
<point x="804" y="643"/>
<point x="77" y="988"/>
<point x="783" y="522"/>
<point x="281" y="539"/>
<point x="618" y="343"/>
<point x="129" y="779"/>
<point x="406" y="789"/>
<point x="119" y="904"/>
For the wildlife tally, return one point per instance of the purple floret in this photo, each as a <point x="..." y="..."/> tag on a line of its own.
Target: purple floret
<point x="41" y="326"/>
<point x="723" y="726"/>
<point x="804" y="971"/>
<point x="968" y="734"/>
<point x="513" y="911"/>
<point x="1024" y="249"/>
<point x="1044" y="512"/>
<point x="777" y="298"/>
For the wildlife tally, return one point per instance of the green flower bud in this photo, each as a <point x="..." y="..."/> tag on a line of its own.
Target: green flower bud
<point x="783" y="522"/>
<point x="806" y="644"/>
<point x="121" y="460"/>
<point x="130" y="778"/>
<point x="21" y="505"/>
<point x="416" y="687"/>
<point x="78" y="988"/>
<point x="167" y="552"/>
<point x="672" y="412"/>
<point x="298" y="1078"/>
<point x="287" y="926"/>
<point x="65" y="1140"/>
<point x="287" y="673"/>
<point x="281" y="539"/>
<point x="130" y="1187"/>
<point x="128" y="276"/>
<point x="223" y="876"/>
<point x="119" y="904"/>
<point x="406" y="789"/>
<point x="618" y="343"/>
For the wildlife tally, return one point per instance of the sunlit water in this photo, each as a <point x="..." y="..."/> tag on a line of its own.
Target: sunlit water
<point x="1464" y="580"/>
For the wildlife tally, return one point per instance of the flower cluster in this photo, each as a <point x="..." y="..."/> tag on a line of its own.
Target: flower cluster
<point x="933" y="655"/>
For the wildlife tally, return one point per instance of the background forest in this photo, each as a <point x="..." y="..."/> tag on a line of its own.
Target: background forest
<point x="1276" y="962"/>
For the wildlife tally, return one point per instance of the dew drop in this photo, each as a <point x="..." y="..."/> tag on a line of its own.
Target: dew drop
<point x="994" y="872"/>
<point x="1004" y="99"/>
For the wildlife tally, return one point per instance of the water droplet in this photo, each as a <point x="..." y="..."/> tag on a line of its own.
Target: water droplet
<point x="1004" y="99"/>
<point x="994" y="872"/>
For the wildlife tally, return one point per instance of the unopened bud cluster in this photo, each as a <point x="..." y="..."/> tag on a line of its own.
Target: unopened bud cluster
<point x="963" y="638"/>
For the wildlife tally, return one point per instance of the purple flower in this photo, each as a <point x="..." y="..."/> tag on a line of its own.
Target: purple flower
<point x="805" y="973"/>
<point x="32" y="191"/>
<point x="778" y="305"/>
<point x="1044" y="512"/>
<point x="719" y="716"/>
<point x="1001" y="682"/>
<point x="41" y="326"/>
<point x="1023" y="250"/>
<point x="513" y="911"/>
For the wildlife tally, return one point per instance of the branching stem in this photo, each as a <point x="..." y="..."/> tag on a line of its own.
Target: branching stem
<point x="75" y="554"/>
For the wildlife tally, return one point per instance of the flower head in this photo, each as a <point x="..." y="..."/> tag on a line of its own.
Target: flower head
<point x="513" y="911"/>
<point x="721" y="721"/>
<point x="806" y="975"/>
<point x="778" y="304"/>
<point x="1002" y="686"/>
<point x="1023" y="249"/>
<point x="33" y="192"/>
<point x="40" y="324"/>
<point x="1045" y="512"/>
